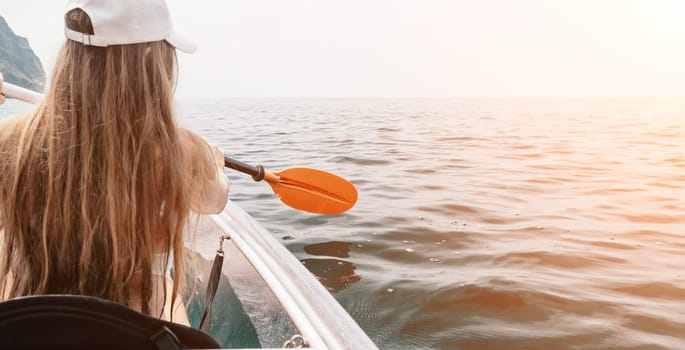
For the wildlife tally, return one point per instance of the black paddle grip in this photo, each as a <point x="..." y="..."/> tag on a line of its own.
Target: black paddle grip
<point x="256" y="172"/>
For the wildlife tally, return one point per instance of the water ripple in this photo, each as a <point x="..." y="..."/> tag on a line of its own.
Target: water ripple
<point x="482" y="224"/>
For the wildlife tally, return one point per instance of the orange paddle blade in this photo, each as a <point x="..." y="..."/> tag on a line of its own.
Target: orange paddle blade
<point x="313" y="191"/>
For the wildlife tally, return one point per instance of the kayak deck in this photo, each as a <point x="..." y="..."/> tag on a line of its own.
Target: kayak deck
<point x="278" y="294"/>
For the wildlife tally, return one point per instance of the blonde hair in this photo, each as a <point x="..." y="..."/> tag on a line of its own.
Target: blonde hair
<point x="93" y="184"/>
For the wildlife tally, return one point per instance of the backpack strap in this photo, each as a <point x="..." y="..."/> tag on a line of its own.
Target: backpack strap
<point x="165" y="339"/>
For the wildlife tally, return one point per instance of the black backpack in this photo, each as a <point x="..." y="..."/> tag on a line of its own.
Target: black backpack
<point x="83" y="322"/>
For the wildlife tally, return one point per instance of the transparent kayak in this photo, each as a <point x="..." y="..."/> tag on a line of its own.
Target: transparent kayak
<point x="266" y="297"/>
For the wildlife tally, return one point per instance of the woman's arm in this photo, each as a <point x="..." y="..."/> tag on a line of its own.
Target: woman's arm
<point x="206" y="163"/>
<point x="216" y="196"/>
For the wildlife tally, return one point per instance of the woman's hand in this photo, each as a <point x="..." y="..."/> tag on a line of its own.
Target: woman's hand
<point x="218" y="156"/>
<point x="206" y="163"/>
<point x="2" y="97"/>
<point x="218" y="197"/>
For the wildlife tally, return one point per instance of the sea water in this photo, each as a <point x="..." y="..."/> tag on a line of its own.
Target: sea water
<point x="481" y="223"/>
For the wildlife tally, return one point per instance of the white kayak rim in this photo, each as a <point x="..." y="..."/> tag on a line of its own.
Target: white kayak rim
<point x="321" y="320"/>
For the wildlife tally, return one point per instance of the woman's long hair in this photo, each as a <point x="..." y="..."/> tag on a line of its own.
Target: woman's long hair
<point x="94" y="184"/>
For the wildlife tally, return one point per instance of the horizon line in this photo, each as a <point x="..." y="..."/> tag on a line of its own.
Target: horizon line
<point x="443" y="97"/>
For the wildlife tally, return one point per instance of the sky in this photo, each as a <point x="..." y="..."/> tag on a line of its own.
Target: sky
<point x="411" y="48"/>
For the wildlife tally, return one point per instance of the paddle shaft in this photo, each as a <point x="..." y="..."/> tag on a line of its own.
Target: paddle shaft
<point x="20" y="93"/>
<point x="304" y="189"/>
<point x="258" y="172"/>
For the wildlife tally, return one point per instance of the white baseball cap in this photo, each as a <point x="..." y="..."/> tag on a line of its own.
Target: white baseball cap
<point x="122" y="22"/>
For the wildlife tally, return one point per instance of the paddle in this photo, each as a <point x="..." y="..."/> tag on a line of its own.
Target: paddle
<point x="310" y="190"/>
<point x="20" y="93"/>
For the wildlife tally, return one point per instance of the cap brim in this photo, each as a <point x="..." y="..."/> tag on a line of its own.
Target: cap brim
<point x="181" y="42"/>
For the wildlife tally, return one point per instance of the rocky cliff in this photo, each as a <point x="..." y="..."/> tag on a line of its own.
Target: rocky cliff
<point x="18" y="64"/>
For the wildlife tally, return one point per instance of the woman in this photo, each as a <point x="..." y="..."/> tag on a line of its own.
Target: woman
<point x="97" y="184"/>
